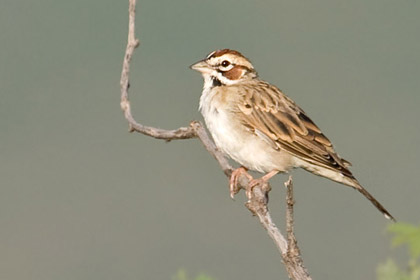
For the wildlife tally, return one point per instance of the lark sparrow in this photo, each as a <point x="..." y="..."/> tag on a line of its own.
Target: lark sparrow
<point x="261" y="128"/>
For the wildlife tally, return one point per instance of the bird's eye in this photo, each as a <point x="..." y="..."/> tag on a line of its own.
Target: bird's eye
<point x="225" y="63"/>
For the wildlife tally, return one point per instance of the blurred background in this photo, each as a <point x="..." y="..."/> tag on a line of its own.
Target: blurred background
<point x="81" y="198"/>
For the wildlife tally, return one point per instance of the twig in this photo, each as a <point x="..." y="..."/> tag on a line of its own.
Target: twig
<point x="257" y="203"/>
<point x="293" y="252"/>
<point x="132" y="44"/>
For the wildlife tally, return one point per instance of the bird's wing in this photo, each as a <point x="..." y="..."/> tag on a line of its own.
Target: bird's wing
<point x="270" y="114"/>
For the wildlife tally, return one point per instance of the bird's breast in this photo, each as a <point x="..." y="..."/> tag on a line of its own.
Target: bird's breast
<point x="237" y="141"/>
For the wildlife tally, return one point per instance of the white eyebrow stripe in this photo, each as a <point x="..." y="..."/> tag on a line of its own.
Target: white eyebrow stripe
<point x="210" y="54"/>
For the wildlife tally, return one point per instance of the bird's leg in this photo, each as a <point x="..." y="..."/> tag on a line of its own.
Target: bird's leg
<point x="233" y="181"/>
<point x="264" y="179"/>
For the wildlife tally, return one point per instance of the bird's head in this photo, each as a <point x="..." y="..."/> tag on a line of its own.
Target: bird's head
<point x="226" y="67"/>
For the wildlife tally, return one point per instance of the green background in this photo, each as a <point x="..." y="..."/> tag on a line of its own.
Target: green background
<point x="81" y="198"/>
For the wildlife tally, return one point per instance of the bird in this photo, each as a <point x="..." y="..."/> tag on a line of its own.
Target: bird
<point x="258" y="126"/>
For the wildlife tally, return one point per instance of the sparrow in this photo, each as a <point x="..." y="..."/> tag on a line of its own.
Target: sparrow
<point x="261" y="128"/>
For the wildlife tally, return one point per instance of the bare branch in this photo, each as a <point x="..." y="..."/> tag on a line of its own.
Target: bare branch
<point x="293" y="252"/>
<point x="257" y="204"/>
<point x="290" y="253"/>
<point x="258" y="199"/>
<point x="132" y="44"/>
<point x="291" y="240"/>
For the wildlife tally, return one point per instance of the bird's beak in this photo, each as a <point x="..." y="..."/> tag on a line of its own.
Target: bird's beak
<point x="201" y="66"/>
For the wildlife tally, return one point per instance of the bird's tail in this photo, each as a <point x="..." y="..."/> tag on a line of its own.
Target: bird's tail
<point x="376" y="203"/>
<point x="347" y="179"/>
<point x="352" y="182"/>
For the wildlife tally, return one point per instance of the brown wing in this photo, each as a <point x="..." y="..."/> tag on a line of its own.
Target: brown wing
<point x="266" y="110"/>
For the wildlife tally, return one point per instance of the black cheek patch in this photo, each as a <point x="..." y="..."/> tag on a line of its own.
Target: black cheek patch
<point x="216" y="82"/>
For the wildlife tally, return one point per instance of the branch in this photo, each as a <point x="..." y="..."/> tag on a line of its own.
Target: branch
<point x="293" y="258"/>
<point x="132" y="44"/>
<point x="258" y="199"/>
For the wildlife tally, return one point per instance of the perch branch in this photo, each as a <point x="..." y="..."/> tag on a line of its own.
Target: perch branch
<point x="257" y="203"/>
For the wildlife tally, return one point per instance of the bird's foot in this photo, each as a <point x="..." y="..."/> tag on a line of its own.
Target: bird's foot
<point x="234" y="178"/>
<point x="260" y="181"/>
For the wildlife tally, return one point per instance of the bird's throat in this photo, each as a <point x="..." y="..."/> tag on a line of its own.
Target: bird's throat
<point x="215" y="82"/>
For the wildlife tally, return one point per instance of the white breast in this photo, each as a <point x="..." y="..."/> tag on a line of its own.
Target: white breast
<point x="236" y="141"/>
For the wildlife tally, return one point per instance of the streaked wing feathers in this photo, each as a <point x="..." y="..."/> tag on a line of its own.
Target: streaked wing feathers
<point x="274" y="117"/>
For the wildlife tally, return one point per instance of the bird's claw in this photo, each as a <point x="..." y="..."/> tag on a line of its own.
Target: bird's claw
<point x="234" y="179"/>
